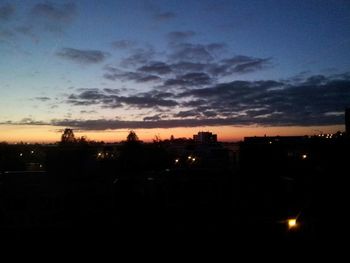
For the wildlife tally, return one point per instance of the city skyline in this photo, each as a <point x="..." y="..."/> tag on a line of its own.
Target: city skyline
<point x="235" y="68"/>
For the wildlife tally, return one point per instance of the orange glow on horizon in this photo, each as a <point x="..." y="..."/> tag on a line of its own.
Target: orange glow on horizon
<point x="46" y="134"/>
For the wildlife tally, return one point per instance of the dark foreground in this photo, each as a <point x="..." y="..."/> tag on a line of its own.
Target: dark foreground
<point x="163" y="205"/>
<point x="82" y="198"/>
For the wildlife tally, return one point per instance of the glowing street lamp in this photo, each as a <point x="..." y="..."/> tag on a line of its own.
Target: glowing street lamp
<point x="304" y="156"/>
<point x="292" y="223"/>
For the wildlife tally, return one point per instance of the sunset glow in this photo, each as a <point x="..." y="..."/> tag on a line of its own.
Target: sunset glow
<point x="235" y="68"/>
<point x="48" y="134"/>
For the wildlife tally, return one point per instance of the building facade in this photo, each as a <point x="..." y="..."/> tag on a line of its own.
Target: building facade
<point x="205" y="137"/>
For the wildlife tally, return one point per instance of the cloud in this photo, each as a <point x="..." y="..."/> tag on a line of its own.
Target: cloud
<point x="123" y="44"/>
<point x="183" y="65"/>
<point x="53" y="17"/>
<point x="191" y="52"/>
<point x="187" y="66"/>
<point x="190" y="79"/>
<point x="82" y="56"/>
<point x="147" y="101"/>
<point x="315" y="101"/>
<point x="88" y="111"/>
<point x="6" y="34"/>
<point x="156" y="117"/>
<point x="101" y="124"/>
<point x="107" y="100"/>
<point x="138" y="57"/>
<point x="203" y="100"/>
<point x="117" y="74"/>
<point x="156" y="67"/>
<point x="111" y="91"/>
<point x="244" y="64"/>
<point x="189" y="113"/>
<point x="180" y="36"/>
<point x="164" y="16"/>
<point x="43" y="99"/>
<point x="25" y="121"/>
<point x="275" y="102"/>
<point x="55" y="12"/>
<point x="213" y="47"/>
<point x="239" y="65"/>
<point x="7" y="11"/>
<point x="25" y="30"/>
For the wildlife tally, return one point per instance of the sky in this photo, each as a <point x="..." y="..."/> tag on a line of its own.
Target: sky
<point x="236" y="68"/>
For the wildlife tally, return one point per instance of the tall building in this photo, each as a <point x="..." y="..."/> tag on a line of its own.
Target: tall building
<point x="347" y="121"/>
<point x="205" y="137"/>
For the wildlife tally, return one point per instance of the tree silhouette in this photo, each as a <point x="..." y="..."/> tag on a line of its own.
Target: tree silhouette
<point x="68" y="136"/>
<point x="132" y="137"/>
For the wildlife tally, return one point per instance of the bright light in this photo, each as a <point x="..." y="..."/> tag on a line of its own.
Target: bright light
<point x="32" y="152"/>
<point x="304" y="156"/>
<point x="176" y="160"/>
<point x="99" y="154"/>
<point x="292" y="223"/>
<point x="193" y="159"/>
<point x="189" y="157"/>
<point x="21" y="154"/>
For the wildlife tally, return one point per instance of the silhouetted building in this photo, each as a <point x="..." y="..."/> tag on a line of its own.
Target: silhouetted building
<point x="347" y="121"/>
<point x="205" y="137"/>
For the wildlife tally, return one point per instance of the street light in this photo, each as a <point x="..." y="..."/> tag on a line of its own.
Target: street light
<point x="292" y="223"/>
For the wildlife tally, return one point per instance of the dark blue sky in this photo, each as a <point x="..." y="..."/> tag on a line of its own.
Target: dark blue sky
<point x="161" y="64"/>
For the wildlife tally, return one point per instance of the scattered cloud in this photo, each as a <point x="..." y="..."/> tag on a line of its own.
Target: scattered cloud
<point x="191" y="52"/>
<point x="317" y="100"/>
<point x="53" y="17"/>
<point x="55" y="12"/>
<point x="275" y="102"/>
<point x="7" y="11"/>
<point x="140" y="77"/>
<point x="101" y="124"/>
<point x="182" y="65"/>
<point x="82" y="56"/>
<point x="111" y="91"/>
<point x="156" y="67"/>
<point x="164" y="16"/>
<point x="88" y="111"/>
<point x="43" y="99"/>
<point x="156" y="117"/>
<point x="186" y="66"/>
<point x="244" y="64"/>
<point x="139" y="56"/>
<point x="189" y="79"/>
<point x="107" y="100"/>
<point x="238" y="65"/>
<point x="27" y="31"/>
<point x="189" y="113"/>
<point x="179" y="36"/>
<point x="6" y="34"/>
<point x="123" y="44"/>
